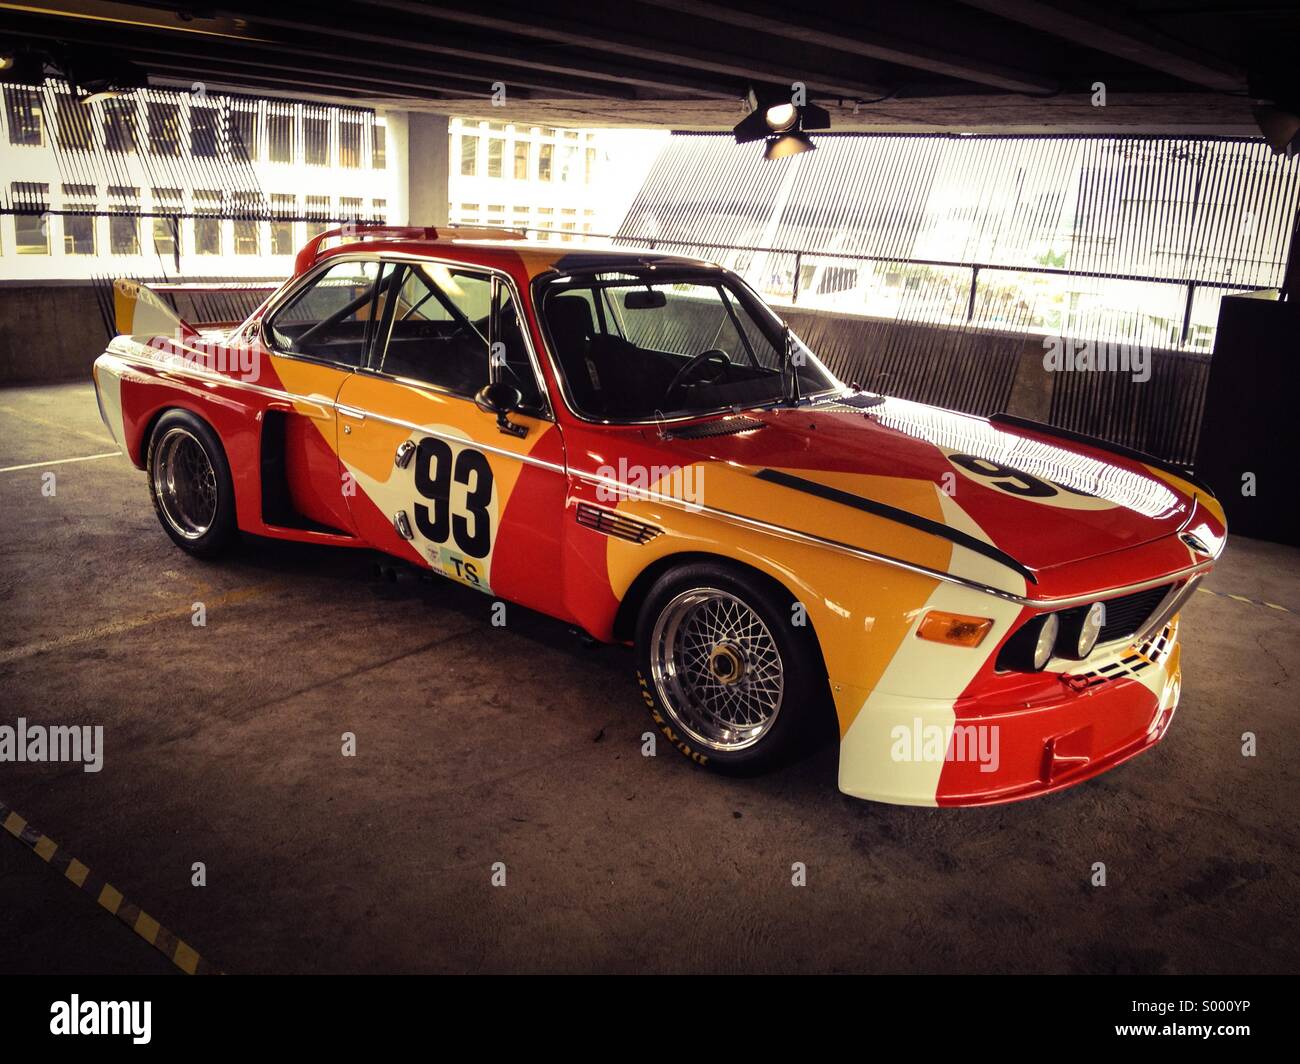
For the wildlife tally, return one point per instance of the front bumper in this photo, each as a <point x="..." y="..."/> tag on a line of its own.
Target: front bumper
<point x="915" y="751"/>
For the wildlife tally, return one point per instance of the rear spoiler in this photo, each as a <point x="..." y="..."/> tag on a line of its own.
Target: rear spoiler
<point x="138" y="309"/>
<point x="358" y="232"/>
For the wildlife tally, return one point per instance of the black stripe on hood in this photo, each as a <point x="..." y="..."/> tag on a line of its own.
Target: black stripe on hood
<point x="893" y="513"/>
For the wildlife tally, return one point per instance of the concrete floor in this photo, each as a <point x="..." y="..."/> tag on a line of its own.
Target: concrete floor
<point x="479" y="745"/>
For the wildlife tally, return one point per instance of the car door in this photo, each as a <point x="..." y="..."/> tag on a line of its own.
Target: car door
<point x="438" y="480"/>
<point x="315" y="338"/>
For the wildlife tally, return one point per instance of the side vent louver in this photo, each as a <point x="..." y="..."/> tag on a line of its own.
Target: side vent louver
<point x="615" y="524"/>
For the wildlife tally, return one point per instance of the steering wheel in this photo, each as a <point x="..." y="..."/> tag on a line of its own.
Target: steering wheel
<point x="713" y="354"/>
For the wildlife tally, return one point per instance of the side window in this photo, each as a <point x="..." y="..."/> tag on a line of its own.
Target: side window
<point x="331" y="318"/>
<point x="438" y="333"/>
<point x="440" y="329"/>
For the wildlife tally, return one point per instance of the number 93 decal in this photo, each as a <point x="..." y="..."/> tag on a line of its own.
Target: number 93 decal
<point x="456" y="510"/>
<point x="1035" y="488"/>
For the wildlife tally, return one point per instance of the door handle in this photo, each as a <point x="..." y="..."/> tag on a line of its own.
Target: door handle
<point x="352" y="412"/>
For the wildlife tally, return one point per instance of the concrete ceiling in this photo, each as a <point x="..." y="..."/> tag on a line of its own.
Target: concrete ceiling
<point x="927" y="65"/>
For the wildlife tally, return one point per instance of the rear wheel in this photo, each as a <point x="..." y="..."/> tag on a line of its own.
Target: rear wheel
<point x="189" y="482"/>
<point x="729" y="677"/>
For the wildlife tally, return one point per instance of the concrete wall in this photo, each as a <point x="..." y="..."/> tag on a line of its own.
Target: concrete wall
<point x="427" y="162"/>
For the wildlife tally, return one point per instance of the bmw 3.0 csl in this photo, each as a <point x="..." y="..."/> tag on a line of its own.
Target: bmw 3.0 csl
<point x="986" y="609"/>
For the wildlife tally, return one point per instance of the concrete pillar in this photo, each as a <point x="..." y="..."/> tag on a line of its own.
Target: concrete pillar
<point x="426" y="168"/>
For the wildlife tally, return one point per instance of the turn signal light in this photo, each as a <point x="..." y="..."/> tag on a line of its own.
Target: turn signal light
<point x="954" y="628"/>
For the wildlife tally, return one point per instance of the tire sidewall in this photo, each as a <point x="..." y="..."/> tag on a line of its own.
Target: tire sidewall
<point x="222" y="531"/>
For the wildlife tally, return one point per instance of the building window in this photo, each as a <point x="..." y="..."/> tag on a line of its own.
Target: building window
<point x="495" y="153"/>
<point x="350" y="207"/>
<point x="349" y="143"/>
<point x="279" y="135"/>
<point x="468" y="155"/>
<point x="521" y="160"/>
<point x="119" y="126"/>
<point x="282" y="208"/>
<point x="79" y="229"/>
<point x="379" y="147"/>
<point x="203" y="132"/>
<point x="31" y="230"/>
<point x="243" y="133"/>
<point x="207" y="227"/>
<point x="544" y="156"/>
<point x="248" y="209"/>
<point x="318" y="207"/>
<point x="124" y="223"/>
<point x="379" y="210"/>
<point x="591" y="163"/>
<point x="74" y="124"/>
<point x="246" y="237"/>
<point x="23" y="107"/>
<point x="316" y="140"/>
<point x="166" y="231"/>
<point x="164" y="128"/>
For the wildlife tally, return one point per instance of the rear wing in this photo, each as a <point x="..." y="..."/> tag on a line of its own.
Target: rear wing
<point x="139" y="310"/>
<point x="358" y="232"/>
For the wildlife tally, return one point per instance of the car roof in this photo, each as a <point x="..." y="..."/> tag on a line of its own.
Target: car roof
<point x="478" y="247"/>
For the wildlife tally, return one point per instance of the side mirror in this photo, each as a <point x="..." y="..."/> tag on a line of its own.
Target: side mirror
<point x="501" y="399"/>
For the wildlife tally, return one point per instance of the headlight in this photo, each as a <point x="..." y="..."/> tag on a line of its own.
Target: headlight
<point x="1080" y="630"/>
<point x="1047" y="633"/>
<point x="1030" y="649"/>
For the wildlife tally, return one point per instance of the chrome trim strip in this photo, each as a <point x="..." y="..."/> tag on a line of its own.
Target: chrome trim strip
<point x="726" y="515"/>
<point x="320" y="400"/>
<point x="870" y="555"/>
<point x="527" y="459"/>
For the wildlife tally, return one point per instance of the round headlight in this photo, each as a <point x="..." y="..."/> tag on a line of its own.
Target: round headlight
<point x="1047" y="633"/>
<point x="1080" y="630"/>
<point x="1091" y="627"/>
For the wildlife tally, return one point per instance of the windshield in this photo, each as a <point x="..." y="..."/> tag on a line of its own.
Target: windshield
<point x="641" y="345"/>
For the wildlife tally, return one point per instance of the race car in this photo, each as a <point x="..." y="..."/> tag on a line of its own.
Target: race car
<point x="634" y="443"/>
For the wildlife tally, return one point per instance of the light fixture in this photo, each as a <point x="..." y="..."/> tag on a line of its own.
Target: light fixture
<point x="96" y="76"/>
<point x="1281" y="129"/>
<point x="1079" y="631"/>
<point x="780" y="123"/>
<point x="1030" y="649"/>
<point x="955" y="628"/>
<point x="22" y="66"/>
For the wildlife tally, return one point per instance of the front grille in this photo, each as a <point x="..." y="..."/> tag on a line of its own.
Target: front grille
<point x="615" y="524"/>
<point x="1124" y="615"/>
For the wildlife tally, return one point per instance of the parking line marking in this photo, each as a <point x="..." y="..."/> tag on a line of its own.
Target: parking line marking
<point x="179" y="952"/>
<point x="230" y="598"/>
<point x="59" y="461"/>
<point x="1247" y="601"/>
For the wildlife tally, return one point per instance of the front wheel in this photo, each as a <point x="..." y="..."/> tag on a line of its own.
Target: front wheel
<point x="729" y="675"/>
<point x="189" y="482"/>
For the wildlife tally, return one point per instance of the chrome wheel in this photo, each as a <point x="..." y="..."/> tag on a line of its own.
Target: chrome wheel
<point x="717" y="669"/>
<point x="185" y="483"/>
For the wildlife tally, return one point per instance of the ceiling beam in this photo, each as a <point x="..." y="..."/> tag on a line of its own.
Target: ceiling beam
<point x="1117" y="35"/>
<point x="803" y="25"/>
<point x="357" y="63"/>
<point x="592" y="36"/>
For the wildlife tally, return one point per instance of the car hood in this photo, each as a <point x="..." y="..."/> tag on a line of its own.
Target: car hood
<point x="1039" y="501"/>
